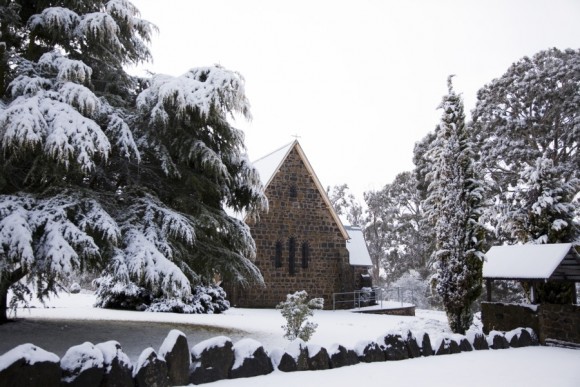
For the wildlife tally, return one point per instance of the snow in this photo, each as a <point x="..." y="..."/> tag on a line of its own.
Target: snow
<point x="143" y="359"/>
<point x="514" y="367"/>
<point x="169" y="342"/>
<point x="111" y="350"/>
<point x="30" y="352"/>
<point x="243" y="349"/>
<point x="79" y="358"/>
<point x="268" y="165"/>
<point x="215" y="342"/>
<point x="546" y="365"/>
<point x="524" y="261"/>
<point x="358" y="252"/>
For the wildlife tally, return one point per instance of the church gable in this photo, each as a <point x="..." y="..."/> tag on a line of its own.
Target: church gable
<point x="300" y="242"/>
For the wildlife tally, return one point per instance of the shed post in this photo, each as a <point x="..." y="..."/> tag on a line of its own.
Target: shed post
<point x="488" y="283"/>
<point x="533" y="292"/>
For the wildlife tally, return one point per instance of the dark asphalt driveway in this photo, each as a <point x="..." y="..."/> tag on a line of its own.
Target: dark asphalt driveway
<point x="134" y="336"/>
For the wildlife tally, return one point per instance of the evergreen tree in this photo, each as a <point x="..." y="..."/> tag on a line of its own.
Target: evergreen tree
<point x="454" y="204"/>
<point x="103" y="170"/>
<point x="528" y="123"/>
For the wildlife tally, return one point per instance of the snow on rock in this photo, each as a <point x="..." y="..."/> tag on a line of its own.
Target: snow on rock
<point x="245" y="348"/>
<point x="295" y="348"/>
<point x="276" y="355"/>
<point x="218" y="341"/>
<point x="80" y="358"/>
<point x="29" y="352"/>
<point x="169" y="342"/>
<point x="144" y="359"/>
<point x="514" y="332"/>
<point x="111" y="350"/>
<point x="360" y="346"/>
<point x="313" y="350"/>
<point x="491" y="336"/>
<point x="333" y="348"/>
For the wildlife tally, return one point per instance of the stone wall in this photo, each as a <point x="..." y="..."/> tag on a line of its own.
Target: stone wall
<point x="105" y="364"/>
<point x="552" y="322"/>
<point x="298" y="215"/>
<point x="504" y="317"/>
<point x="403" y="311"/>
<point x="560" y="322"/>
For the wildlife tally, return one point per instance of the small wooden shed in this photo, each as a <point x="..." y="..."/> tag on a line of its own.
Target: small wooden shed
<point x="531" y="263"/>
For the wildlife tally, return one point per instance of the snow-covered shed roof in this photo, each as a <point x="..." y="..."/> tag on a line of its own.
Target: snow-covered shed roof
<point x="270" y="164"/>
<point x="357" y="247"/>
<point x="557" y="261"/>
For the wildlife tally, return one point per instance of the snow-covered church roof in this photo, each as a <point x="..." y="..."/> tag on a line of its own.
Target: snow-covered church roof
<point x="270" y="164"/>
<point x="548" y="261"/>
<point x="357" y="247"/>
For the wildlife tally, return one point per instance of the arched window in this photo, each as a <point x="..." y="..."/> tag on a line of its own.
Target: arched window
<point x="305" y="254"/>
<point x="292" y="255"/>
<point x="278" y="254"/>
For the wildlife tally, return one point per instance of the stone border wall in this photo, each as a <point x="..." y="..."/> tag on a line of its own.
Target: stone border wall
<point x="105" y="364"/>
<point x="402" y="311"/>
<point x="552" y="322"/>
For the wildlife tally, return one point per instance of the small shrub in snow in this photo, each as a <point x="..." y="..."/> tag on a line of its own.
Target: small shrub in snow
<point x="75" y="288"/>
<point x="296" y="311"/>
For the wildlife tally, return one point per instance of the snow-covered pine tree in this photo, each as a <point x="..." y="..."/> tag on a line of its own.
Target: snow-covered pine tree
<point x="92" y="174"/>
<point x="528" y="121"/>
<point x="453" y="205"/>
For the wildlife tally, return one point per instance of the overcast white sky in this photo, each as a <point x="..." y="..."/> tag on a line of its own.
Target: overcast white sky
<point x="358" y="80"/>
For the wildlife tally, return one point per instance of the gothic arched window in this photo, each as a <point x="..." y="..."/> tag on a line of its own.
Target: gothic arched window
<point x="278" y="255"/>
<point x="305" y="254"/>
<point x="292" y="255"/>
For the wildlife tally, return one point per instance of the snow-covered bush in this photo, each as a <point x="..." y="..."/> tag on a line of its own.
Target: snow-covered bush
<point x="75" y="288"/>
<point x="112" y="294"/>
<point x="296" y="311"/>
<point x="204" y="299"/>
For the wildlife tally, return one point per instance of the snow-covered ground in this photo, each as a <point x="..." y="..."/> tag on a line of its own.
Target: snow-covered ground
<point x="535" y="366"/>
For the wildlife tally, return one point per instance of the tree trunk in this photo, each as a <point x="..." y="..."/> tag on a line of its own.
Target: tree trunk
<point x="5" y="284"/>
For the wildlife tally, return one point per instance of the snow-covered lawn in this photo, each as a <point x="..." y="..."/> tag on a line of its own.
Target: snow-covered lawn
<point x="534" y="366"/>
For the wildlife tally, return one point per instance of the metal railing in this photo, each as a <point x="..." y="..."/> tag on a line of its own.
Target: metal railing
<point x="372" y="296"/>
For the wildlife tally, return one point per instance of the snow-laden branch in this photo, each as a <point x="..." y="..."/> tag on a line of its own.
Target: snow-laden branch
<point x="200" y="90"/>
<point x="63" y="133"/>
<point x="56" y="21"/>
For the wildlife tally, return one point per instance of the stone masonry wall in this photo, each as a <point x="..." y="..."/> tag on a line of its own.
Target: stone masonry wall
<point x="556" y="322"/>
<point x="298" y="211"/>
<point x="500" y="317"/>
<point x="560" y="322"/>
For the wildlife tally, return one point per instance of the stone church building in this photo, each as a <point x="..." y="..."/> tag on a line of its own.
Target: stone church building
<point x="301" y="242"/>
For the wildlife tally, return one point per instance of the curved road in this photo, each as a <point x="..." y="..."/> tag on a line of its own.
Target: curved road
<point x="58" y="336"/>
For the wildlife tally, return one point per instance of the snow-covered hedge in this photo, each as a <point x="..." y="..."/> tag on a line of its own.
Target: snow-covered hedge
<point x="112" y="294"/>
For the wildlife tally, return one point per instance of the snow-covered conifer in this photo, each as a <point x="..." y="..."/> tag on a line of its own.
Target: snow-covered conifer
<point x="95" y="174"/>
<point x="454" y="204"/>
